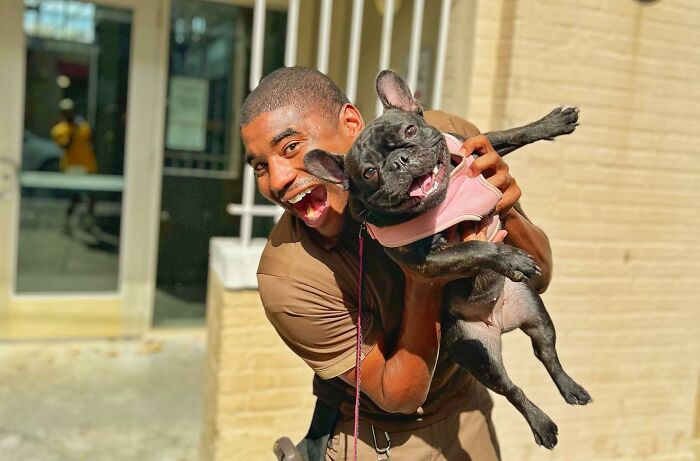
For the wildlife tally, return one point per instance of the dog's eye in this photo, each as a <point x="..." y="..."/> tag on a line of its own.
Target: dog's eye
<point x="369" y="173"/>
<point x="410" y="131"/>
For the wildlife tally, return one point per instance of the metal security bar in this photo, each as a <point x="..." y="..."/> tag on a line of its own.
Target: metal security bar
<point x="441" y="52"/>
<point x="416" y="33"/>
<point x="324" y="36"/>
<point x="290" y="50"/>
<point x="354" y="55"/>
<point x="385" y="44"/>
<point x="247" y="209"/>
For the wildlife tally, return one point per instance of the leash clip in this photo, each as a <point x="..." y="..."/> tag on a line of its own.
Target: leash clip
<point x="383" y="454"/>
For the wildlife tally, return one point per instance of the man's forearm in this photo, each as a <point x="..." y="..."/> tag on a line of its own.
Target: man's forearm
<point x="530" y="238"/>
<point x="397" y="376"/>
<point x="409" y="370"/>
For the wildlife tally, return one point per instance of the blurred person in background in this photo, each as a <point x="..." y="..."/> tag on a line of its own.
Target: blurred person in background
<point x="73" y="134"/>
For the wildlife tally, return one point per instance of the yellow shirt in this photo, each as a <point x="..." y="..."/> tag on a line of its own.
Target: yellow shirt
<point x="76" y="141"/>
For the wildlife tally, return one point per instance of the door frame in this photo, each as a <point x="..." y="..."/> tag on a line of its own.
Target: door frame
<point x="129" y="310"/>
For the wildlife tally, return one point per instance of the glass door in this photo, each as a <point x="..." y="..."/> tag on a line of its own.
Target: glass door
<point x="203" y="161"/>
<point x="84" y="107"/>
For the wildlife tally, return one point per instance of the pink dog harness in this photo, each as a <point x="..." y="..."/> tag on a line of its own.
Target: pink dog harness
<point x="468" y="199"/>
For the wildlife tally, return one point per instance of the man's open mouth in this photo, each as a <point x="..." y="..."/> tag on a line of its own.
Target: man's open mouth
<point x="310" y="204"/>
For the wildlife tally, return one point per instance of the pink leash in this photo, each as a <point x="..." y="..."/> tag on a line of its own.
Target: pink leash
<point x="358" y="345"/>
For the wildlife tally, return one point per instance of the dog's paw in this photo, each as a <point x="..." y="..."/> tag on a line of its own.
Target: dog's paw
<point x="545" y="431"/>
<point x="575" y="394"/>
<point x="516" y="264"/>
<point x="562" y="120"/>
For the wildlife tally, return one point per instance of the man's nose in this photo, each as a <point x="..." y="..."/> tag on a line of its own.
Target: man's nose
<point x="282" y="175"/>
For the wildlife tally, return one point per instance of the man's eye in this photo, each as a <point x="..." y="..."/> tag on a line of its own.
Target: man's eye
<point x="291" y="147"/>
<point x="260" y="168"/>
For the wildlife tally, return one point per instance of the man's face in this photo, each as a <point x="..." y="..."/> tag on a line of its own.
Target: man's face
<point x="276" y="143"/>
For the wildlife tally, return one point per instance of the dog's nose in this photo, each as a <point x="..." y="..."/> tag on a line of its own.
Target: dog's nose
<point x="401" y="161"/>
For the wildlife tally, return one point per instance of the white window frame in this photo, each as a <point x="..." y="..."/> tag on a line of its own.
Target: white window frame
<point x="236" y="259"/>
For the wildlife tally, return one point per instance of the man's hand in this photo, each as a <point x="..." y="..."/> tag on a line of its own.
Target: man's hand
<point x="521" y="232"/>
<point x="494" y="169"/>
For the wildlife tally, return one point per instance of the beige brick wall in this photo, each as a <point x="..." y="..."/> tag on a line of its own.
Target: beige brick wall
<point x="619" y="200"/>
<point x="256" y="390"/>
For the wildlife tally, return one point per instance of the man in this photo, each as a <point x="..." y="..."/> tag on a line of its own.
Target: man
<point x="412" y="395"/>
<point x="74" y="136"/>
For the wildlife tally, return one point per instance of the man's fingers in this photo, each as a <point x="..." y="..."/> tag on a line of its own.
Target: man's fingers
<point x="501" y="180"/>
<point x="488" y="162"/>
<point x="494" y="169"/>
<point x="510" y="197"/>
<point x="479" y="143"/>
<point x="500" y="237"/>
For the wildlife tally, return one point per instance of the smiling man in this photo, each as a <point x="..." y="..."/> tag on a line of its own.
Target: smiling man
<point x="414" y="398"/>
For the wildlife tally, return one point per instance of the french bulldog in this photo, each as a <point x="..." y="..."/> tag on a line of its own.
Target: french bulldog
<point x="399" y="167"/>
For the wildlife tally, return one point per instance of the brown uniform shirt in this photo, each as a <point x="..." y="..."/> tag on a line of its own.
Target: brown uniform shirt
<point x="309" y="290"/>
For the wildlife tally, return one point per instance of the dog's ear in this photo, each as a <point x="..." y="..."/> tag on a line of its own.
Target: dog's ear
<point x="394" y="93"/>
<point x="328" y="167"/>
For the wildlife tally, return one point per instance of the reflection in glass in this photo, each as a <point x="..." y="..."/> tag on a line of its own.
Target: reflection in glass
<point x="73" y="146"/>
<point x="203" y="158"/>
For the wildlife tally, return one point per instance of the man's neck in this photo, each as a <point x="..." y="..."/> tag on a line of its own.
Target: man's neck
<point x="350" y="229"/>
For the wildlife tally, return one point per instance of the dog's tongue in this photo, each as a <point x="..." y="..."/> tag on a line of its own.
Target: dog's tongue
<point x="420" y="186"/>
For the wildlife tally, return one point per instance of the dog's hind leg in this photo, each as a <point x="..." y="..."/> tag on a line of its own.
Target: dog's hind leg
<point x="562" y="120"/>
<point x="476" y="347"/>
<point x="535" y="321"/>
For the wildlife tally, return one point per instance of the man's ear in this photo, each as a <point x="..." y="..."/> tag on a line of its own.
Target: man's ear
<point x="394" y="93"/>
<point x="351" y="120"/>
<point x="328" y="167"/>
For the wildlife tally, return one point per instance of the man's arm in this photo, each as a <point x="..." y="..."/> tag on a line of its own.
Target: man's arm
<point x="397" y="377"/>
<point x="522" y="233"/>
<point x="320" y="328"/>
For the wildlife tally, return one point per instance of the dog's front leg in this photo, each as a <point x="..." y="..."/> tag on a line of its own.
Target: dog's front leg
<point x="562" y="120"/>
<point x="455" y="260"/>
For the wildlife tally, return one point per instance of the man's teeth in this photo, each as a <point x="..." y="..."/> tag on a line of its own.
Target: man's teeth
<point x="299" y="196"/>
<point x="311" y="213"/>
<point x="435" y="170"/>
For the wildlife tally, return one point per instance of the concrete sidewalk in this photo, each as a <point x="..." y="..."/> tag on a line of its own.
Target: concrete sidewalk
<point x="101" y="400"/>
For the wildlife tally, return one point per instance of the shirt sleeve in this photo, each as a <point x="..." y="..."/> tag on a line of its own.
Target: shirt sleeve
<point x="318" y="327"/>
<point x="449" y="123"/>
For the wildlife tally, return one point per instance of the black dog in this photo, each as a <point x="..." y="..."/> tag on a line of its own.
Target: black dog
<point x="488" y="293"/>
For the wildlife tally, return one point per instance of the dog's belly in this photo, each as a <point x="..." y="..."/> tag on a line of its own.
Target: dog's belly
<point x="501" y="304"/>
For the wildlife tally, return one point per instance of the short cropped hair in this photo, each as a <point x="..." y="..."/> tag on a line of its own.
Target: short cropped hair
<point x="299" y="86"/>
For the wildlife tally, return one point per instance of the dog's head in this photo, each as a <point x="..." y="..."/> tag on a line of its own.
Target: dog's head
<point x="397" y="168"/>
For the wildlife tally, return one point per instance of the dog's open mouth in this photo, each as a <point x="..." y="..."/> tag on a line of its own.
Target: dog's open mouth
<point x="426" y="184"/>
